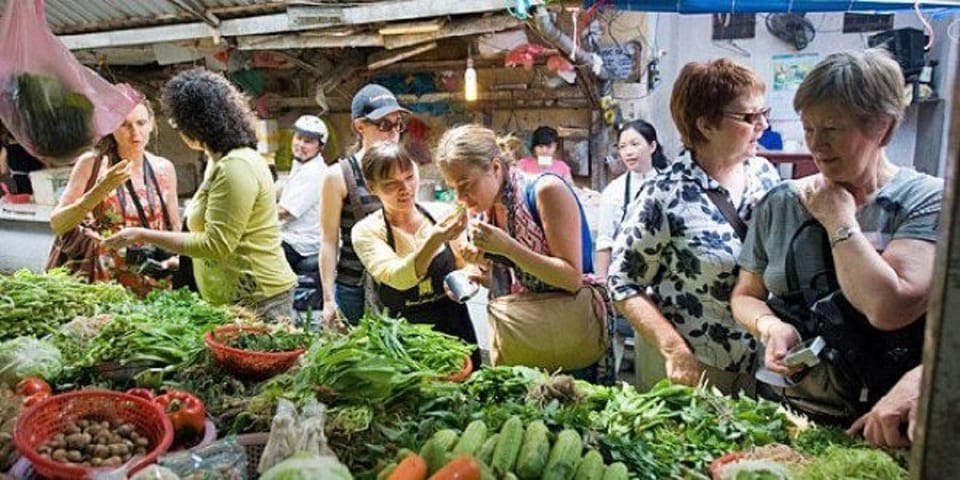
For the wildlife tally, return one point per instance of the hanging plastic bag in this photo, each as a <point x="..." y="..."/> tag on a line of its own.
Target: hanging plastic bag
<point x="53" y="105"/>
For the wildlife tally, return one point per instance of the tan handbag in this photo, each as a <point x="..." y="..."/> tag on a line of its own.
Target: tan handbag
<point x="76" y="250"/>
<point x="553" y="330"/>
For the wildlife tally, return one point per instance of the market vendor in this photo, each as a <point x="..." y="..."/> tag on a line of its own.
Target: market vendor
<point x="234" y="236"/>
<point x="543" y="145"/>
<point x="685" y="251"/>
<point x="131" y="188"/>
<point x="408" y="248"/>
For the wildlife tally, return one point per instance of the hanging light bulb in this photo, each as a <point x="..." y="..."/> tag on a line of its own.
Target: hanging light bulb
<point x="470" y="82"/>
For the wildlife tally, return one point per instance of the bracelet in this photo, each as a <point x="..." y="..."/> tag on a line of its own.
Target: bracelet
<point x="756" y="322"/>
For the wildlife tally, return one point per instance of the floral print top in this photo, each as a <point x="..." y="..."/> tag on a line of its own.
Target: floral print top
<point x="118" y="211"/>
<point x="677" y="247"/>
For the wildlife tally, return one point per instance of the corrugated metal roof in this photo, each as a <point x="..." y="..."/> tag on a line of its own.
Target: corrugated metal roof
<point x="80" y="16"/>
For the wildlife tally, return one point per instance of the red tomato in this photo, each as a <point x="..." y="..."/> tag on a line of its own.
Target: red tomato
<point x="31" y="385"/>
<point x="35" y="399"/>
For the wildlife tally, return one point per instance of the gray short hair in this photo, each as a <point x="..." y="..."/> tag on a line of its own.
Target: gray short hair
<point x="868" y="84"/>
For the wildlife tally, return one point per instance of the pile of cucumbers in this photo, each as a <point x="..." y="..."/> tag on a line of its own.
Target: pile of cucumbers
<point x="518" y="452"/>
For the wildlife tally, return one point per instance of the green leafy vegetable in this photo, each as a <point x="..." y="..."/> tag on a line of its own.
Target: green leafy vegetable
<point x="57" y="122"/>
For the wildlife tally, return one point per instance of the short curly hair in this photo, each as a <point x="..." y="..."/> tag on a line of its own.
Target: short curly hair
<point x="704" y="89"/>
<point x="206" y="107"/>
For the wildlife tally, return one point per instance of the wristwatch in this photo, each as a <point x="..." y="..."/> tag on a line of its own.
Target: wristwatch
<point x="842" y="233"/>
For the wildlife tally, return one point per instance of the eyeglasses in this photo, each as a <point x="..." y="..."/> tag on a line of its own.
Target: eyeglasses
<point x="385" y="125"/>
<point x="753" y="118"/>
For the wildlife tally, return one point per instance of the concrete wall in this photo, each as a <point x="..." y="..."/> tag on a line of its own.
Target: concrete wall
<point x="686" y="38"/>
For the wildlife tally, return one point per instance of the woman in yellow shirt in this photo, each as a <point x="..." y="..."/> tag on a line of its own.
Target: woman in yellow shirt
<point x="408" y="249"/>
<point x="234" y="236"/>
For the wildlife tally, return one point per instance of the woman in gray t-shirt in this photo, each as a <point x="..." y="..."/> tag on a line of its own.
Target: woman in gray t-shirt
<point x="881" y="219"/>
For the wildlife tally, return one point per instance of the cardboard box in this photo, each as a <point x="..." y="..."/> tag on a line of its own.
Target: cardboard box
<point x="48" y="184"/>
<point x="268" y="136"/>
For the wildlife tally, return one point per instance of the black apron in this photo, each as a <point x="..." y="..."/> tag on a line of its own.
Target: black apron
<point x="427" y="303"/>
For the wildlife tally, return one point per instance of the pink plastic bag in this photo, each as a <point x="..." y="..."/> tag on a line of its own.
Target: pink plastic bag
<point x="53" y="105"/>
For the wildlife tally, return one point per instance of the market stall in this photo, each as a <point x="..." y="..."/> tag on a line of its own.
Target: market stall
<point x="375" y="401"/>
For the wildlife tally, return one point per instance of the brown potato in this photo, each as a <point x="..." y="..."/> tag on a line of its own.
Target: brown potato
<point x="118" y="449"/>
<point x="113" y="462"/>
<point x="74" y="455"/>
<point x="101" y="451"/>
<point x="142" y="441"/>
<point x="59" y="455"/>
<point x="96" y="462"/>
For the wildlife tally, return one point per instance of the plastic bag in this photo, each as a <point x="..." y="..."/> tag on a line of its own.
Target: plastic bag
<point x="221" y="460"/>
<point x="283" y="436"/>
<point x="53" y="105"/>
<point x="24" y="357"/>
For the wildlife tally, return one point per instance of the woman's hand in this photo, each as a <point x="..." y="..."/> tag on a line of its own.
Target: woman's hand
<point x="479" y="273"/>
<point x="452" y="226"/>
<point x="778" y="338"/>
<point x="491" y="239"/>
<point x="831" y="204"/>
<point x="683" y="367"/>
<point x="127" y="236"/>
<point x="116" y="175"/>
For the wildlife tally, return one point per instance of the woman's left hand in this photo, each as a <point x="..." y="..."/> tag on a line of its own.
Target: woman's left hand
<point x="831" y="204"/>
<point x="124" y="237"/>
<point x="490" y="238"/>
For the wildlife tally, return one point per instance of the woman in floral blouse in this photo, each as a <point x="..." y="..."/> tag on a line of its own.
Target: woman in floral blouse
<point x="675" y="258"/>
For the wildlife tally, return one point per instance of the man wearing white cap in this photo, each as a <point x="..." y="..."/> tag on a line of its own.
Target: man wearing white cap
<point x="299" y="206"/>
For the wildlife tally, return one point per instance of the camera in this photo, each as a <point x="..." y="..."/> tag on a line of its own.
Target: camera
<point x="148" y="258"/>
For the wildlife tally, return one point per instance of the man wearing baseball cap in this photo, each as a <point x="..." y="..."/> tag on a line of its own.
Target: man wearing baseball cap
<point x="377" y="117"/>
<point x="299" y="205"/>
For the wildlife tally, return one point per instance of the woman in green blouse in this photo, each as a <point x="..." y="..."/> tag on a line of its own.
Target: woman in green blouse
<point x="234" y="236"/>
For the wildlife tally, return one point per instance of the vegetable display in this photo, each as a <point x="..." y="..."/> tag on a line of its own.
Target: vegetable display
<point x="38" y="304"/>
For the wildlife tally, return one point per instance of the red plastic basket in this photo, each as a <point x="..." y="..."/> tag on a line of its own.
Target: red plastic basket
<point x="44" y="420"/>
<point x="246" y="363"/>
<point x="463" y="374"/>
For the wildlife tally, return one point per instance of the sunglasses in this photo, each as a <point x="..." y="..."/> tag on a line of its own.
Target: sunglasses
<point x="752" y="118"/>
<point x="385" y="125"/>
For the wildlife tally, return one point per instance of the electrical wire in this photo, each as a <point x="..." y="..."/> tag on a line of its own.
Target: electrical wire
<point x="926" y="25"/>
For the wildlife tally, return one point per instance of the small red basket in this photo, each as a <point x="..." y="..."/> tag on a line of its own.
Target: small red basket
<point x="248" y="364"/>
<point x="40" y="423"/>
<point x="464" y="372"/>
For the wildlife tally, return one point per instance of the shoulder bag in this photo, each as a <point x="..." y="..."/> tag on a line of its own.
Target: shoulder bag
<point x="552" y="330"/>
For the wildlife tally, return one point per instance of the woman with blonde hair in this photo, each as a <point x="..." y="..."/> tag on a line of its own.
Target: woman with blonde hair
<point x="522" y="240"/>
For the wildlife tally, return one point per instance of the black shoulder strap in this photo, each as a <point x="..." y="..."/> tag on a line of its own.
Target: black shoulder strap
<point x="156" y="185"/>
<point x="626" y="197"/>
<point x="349" y="167"/>
<point x="729" y="212"/>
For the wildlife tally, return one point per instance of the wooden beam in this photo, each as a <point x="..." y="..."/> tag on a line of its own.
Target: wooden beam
<point x="258" y="25"/>
<point x="936" y="452"/>
<point x="405" y="28"/>
<point x="325" y="15"/>
<point x="459" y="28"/>
<point x="280" y="42"/>
<point x="382" y="59"/>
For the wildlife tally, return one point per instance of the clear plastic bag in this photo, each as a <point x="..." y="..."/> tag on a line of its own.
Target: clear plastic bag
<point x="221" y="460"/>
<point x="53" y="105"/>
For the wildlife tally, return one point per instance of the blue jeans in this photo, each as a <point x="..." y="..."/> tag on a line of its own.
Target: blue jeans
<point x="350" y="300"/>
